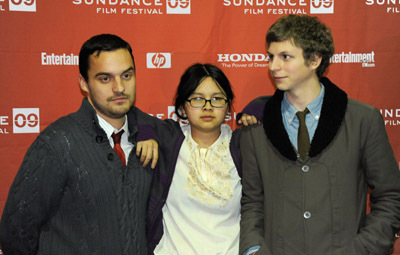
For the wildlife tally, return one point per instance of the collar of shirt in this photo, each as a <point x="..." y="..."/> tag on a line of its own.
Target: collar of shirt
<point x="224" y="137"/>
<point x="109" y="129"/>
<point x="289" y="111"/>
<point x="291" y="121"/>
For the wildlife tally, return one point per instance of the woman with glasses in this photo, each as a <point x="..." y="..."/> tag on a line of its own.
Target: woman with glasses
<point x="194" y="206"/>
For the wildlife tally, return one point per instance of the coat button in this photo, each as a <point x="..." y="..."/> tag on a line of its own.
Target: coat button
<point x="99" y="138"/>
<point x="307" y="215"/>
<point x="305" y="169"/>
<point x="110" y="156"/>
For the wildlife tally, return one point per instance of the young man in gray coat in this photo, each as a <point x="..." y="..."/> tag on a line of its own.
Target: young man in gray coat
<point x="305" y="182"/>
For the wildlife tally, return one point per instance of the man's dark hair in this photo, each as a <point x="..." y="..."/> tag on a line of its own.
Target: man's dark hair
<point x="97" y="44"/>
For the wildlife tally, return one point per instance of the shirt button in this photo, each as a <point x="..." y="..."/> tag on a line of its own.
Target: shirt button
<point x="110" y="156"/>
<point x="305" y="169"/>
<point x="307" y="215"/>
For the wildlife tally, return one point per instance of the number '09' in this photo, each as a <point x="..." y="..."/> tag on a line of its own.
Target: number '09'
<point x="175" y="3"/>
<point x="20" y="120"/>
<point x="324" y="3"/>
<point x="25" y="2"/>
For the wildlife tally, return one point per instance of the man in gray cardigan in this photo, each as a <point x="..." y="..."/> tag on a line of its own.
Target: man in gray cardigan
<point x="302" y="198"/>
<point x="73" y="194"/>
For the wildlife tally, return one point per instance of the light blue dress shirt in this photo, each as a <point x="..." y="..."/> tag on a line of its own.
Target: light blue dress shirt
<point x="291" y="122"/>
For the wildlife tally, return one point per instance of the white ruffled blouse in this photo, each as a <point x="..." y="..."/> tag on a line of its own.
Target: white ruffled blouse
<point x="202" y="211"/>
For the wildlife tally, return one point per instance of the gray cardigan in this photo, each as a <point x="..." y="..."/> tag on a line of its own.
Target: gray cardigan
<point x="72" y="195"/>
<point x="318" y="206"/>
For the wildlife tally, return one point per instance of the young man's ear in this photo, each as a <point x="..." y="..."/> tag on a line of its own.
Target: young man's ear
<point x="83" y="84"/>
<point x="315" y="62"/>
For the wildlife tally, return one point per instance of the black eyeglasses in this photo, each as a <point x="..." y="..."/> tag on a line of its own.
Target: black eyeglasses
<point x="199" y="102"/>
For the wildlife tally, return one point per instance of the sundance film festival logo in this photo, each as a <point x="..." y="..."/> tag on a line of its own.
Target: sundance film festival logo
<point x="24" y="120"/>
<point x="172" y="115"/>
<point x="391" y="116"/>
<point x="158" y="60"/>
<point x="178" y="6"/>
<point x="22" y="5"/>
<point x="137" y="7"/>
<point x="392" y="6"/>
<point x="269" y="7"/>
<point x="321" y="6"/>
<point x="282" y="7"/>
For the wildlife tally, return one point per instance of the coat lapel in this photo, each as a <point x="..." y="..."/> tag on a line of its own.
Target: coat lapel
<point x="332" y="113"/>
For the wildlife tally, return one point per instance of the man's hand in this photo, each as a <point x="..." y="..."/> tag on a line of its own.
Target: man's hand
<point x="248" y="120"/>
<point x="147" y="150"/>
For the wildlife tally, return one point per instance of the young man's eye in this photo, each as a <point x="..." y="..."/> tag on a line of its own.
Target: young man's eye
<point x="127" y="76"/>
<point x="105" y="79"/>
<point x="286" y="56"/>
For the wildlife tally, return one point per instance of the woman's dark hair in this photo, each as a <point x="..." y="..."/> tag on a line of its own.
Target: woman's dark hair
<point x="192" y="78"/>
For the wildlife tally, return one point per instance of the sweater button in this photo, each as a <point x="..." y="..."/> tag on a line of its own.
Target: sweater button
<point x="99" y="138"/>
<point x="110" y="156"/>
<point x="307" y="215"/>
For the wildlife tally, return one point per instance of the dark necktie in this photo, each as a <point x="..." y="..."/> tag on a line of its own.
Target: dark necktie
<point x="117" y="146"/>
<point x="303" y="139"/>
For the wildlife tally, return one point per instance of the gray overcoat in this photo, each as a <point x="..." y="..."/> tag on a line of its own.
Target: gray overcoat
<point x="318" y="206"/>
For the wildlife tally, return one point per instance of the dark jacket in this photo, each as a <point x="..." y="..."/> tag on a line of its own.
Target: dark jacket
<point x="318" y="206"/>
<point x="170" y="138"/>
<point x="72" y="195"/>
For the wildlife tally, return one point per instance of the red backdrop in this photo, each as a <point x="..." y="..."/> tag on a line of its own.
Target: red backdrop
<point x="40" y="42"/>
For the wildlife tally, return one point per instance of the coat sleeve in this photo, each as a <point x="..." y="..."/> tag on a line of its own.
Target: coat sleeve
<point x="33" y="197"/>
<point x="154" y="128"/>
<point x="252" y="211"/>
<point x="255" y="108"/>
<point x="383" y="179"/>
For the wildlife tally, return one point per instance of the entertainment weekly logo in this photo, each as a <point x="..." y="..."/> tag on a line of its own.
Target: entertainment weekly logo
<point x="158" y="60"/>
<point x="366" y="59"/>
<point x="391" y="6"/>
<point x="19" y="5"/>
<point x="64" y="59"/>
<point x="279" y="7"/>
<point x="24" y="120"/>
<point x="137" y="7"/>
<point x="243" y="60"/>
